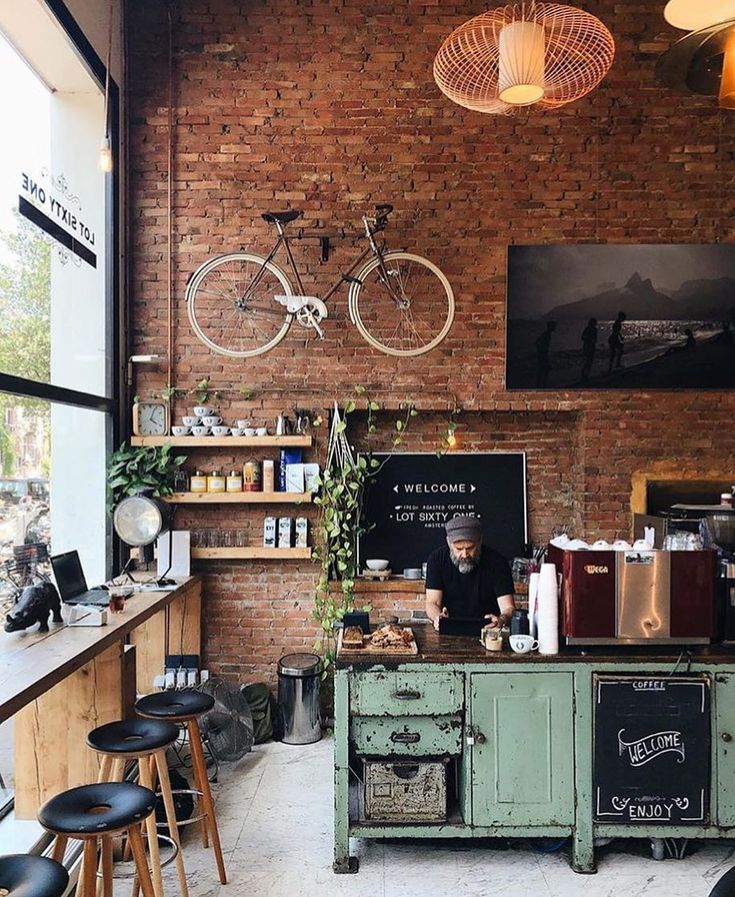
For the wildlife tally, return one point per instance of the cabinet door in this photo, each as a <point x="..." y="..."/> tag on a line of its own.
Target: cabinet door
<point x="523" y="756"/>
<point x="725" y="747"/>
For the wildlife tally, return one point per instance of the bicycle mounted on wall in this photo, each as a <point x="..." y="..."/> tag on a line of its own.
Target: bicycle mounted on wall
<point x="242" y="304"/>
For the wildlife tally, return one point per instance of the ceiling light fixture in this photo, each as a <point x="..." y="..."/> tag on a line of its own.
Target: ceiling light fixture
<point x="703" y="61"/>
<point x="524" y="54"/>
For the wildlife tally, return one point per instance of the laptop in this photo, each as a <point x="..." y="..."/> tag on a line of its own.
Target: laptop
<point x="72" y="584"/>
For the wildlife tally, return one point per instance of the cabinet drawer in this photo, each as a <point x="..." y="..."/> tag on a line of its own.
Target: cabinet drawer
<point x="413" y="736"/>
<point x="406" y="694"/>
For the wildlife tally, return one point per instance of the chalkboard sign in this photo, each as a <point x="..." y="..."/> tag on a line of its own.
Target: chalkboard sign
<point x="413" y="495"/>
<point x="652" y="749"/>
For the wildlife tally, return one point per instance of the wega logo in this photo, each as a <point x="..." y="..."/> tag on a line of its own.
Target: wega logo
<point x="592" y="569"/>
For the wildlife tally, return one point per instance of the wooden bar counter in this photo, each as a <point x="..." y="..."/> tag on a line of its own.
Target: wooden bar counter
<point x="61" y="684"/>
<point x="517" y="732"/>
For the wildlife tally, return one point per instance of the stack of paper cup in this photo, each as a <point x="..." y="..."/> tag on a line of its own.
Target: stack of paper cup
<point x="548" y="610"/>
<point x="532" y="604"/>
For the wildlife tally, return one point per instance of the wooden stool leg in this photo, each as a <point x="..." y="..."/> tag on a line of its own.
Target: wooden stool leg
<point x="106" y="866"/>
<point x="200" y="767"/>
<point x="105" y="768"/>
<point x="60" y="848"/>
<point x="141" y="863"/>
<point x="168" y="802"/>
<point x="88" y="874"/>
<point x="145" y="781"/>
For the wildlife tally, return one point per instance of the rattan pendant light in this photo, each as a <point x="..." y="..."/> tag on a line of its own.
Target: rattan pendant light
<point x="525" y="54"/>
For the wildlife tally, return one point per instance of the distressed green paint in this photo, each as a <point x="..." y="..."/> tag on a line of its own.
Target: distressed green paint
<point x="407" y="736"/>
<point x="523" y="766"/>
<point x="418" y="693"/>
<point x="448" y="689"/>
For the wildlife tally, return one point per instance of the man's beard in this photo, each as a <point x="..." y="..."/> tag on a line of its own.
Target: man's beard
<point x="464" y="565"/>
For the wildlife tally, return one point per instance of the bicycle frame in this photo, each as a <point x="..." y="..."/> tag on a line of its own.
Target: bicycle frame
<point x="282" y="240"/>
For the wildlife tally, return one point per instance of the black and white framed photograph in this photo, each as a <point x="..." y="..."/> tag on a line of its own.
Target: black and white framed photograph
<point x="592" y="316"/>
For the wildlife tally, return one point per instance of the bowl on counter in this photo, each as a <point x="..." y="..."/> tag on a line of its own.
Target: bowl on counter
<point x="377" y="564"/>
<point x="412" y="573"/>
<point x="181" y="431"/>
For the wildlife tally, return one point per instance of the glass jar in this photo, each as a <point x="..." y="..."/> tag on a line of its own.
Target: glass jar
<point x="198" y="482"/>
<point x="216" y="482"/>
<point x="234" y="481"/>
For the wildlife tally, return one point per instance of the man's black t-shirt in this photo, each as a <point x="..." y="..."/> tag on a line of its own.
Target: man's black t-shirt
<point x="470" y="594"/>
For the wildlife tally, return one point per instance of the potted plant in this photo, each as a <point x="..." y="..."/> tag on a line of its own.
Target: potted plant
<point x="134" y="469"/>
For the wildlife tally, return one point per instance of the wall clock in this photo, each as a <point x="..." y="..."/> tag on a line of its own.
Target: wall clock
<point x="150" y="419"/>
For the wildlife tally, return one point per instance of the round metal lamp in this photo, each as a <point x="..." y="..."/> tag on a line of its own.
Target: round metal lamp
<point x="139" y="520"/>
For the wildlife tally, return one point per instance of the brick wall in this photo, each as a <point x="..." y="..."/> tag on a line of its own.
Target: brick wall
<point x="330" y="107"/>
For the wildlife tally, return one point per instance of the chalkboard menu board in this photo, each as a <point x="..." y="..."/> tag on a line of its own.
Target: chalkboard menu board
<point x="652" y="749"/>
<point x="413" y="495"/>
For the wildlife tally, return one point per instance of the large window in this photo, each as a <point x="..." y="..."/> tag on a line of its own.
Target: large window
<point x="57" y="308"/>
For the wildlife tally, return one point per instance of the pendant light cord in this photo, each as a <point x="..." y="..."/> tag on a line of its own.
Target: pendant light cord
<point x="107" y="74"/>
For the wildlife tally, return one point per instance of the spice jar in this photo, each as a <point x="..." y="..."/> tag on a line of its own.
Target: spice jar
<point x="251" y="479"/>
<point x="234" y="481"/>
<point x="215" y="482"/>
<point x="198" y="482"/>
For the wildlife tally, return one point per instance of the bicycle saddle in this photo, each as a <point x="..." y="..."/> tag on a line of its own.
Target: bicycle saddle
<point x="283" y="217"/>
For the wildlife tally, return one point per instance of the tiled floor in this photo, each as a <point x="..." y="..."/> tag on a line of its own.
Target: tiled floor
<point x="275" y="815"/>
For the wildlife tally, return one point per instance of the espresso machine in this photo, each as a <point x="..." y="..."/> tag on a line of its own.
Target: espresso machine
<point x="720" y="525"/>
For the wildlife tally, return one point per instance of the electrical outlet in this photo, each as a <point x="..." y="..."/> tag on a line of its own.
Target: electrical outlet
<point x="180" y="678"/>
<point x="191" y="678"/>
<point x="204" y="676"/>
<point x="170" y="679"/>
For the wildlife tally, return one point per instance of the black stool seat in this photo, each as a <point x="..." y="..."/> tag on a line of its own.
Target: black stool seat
<point x="129" y="736"/>
<point x="96" y="809"/>
<point x="30" y="876"/>
<point x="174" y="704"/>
<point x="725" y="886"/>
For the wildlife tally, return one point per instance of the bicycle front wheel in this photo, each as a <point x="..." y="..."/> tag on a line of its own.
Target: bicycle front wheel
<point x="232" y="307"/>
<point x="404" y="307"/>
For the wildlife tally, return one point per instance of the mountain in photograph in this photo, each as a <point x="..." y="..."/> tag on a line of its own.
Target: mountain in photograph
<point x="695" y="299"/>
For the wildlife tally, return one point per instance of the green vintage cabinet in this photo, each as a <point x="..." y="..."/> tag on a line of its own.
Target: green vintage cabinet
<point x="522" y="759"/>
<point x="724" y="735"/>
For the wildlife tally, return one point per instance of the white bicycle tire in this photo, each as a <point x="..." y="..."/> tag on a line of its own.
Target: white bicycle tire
<point x="210" y="265"/>
<point x="354" y="296"/>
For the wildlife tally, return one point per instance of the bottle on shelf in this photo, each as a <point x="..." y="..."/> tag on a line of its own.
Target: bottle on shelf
<point x="198" y="482"/>
<point x="216" y="482"/>
<point x="251" y="478"/>
<point x="234" y="481"/>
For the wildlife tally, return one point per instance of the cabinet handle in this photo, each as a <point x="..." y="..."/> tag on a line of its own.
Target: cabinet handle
<point x="407" y="695"/>
<point x="726" y="736"/>
<point x="405" y="737"/>
<point x="480" y="738"/>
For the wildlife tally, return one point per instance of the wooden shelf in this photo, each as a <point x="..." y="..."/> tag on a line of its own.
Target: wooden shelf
<point x="222" y="441"/>
<point x="253" y="552"/>
<point x="251" y="498"/>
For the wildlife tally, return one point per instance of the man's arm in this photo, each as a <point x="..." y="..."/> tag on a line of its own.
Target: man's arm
<point x="507" y="605"/>
<point x="434" y="608"/>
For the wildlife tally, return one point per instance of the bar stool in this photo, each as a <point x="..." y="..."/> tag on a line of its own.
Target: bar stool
<point x="31" y="876"/>
<point x="146" y="741"/>
<point x="186" y="707"/>
<point x="100" y="811"/>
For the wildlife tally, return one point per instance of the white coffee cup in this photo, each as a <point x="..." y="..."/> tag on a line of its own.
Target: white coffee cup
<point x="190" y="421"/>
<point x="211" y="420"/>
<point x="203" y="411"/>
<point x="261" y="431"/>
<point x="221" y="431"/>
<point x="237" y="431"/>
<point x="181" y="431"/>
<point x="248" y="431"/>
<point x="242" y="424"/>
<point x="523" y="644"/>
<point x="200" y="431"/>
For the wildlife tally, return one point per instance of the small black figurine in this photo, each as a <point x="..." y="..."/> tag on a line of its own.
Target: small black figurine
<point x="34" y="605"/>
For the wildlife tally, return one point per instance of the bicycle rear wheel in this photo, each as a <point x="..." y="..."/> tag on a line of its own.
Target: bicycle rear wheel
<point x="231" y="305"/>
<point x="407" y="315"/>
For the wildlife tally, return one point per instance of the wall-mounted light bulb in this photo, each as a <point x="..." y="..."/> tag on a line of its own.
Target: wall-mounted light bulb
<point x="451" y="440"/>
<point x="105" y="154"/>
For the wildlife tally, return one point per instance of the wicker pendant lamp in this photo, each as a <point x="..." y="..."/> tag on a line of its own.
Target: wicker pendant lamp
<point x="704" y="61"/>
<point x="525" y="54"/>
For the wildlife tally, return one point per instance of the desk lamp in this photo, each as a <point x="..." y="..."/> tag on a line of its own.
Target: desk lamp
<point x="139" y="520"/>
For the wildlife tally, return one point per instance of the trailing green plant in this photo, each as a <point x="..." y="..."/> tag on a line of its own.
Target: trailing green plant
<point x="449" y="440"/>
<point x="134" y="468"/>
<point x="340" y="500"/>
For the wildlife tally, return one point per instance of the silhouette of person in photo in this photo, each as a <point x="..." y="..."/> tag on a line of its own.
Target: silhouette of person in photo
<point x="725" y="337"/>
<point x="690" y="341"/>
<point x="543" y="347"/>
<point x="616" y="342"/>
<point x="589" y="347"/>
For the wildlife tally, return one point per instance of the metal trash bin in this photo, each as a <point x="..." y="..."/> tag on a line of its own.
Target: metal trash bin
<point x="298" y="697"/>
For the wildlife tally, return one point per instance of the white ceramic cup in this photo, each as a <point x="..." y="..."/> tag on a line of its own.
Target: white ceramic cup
<point x="237" y="431"/>
<point x="181" y="431"/>
<point x="190" y="421"/>
<point x="211" y="420"/>
<point x="221" y="431"/>
<point x="200" y="431"/>
<point x="203" y="411"/>
<point x="242" y="424"/>
<point x="261" y="431"/>
<point x="248" y="431"/>
<point x="523" y="644"/>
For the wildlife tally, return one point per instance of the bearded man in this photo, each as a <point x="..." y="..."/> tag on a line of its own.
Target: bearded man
<point x="465" y="578"/>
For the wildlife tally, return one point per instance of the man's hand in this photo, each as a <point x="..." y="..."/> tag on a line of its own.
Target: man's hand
<point x="444" y="613"/>
<point x="497" y="621"/>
